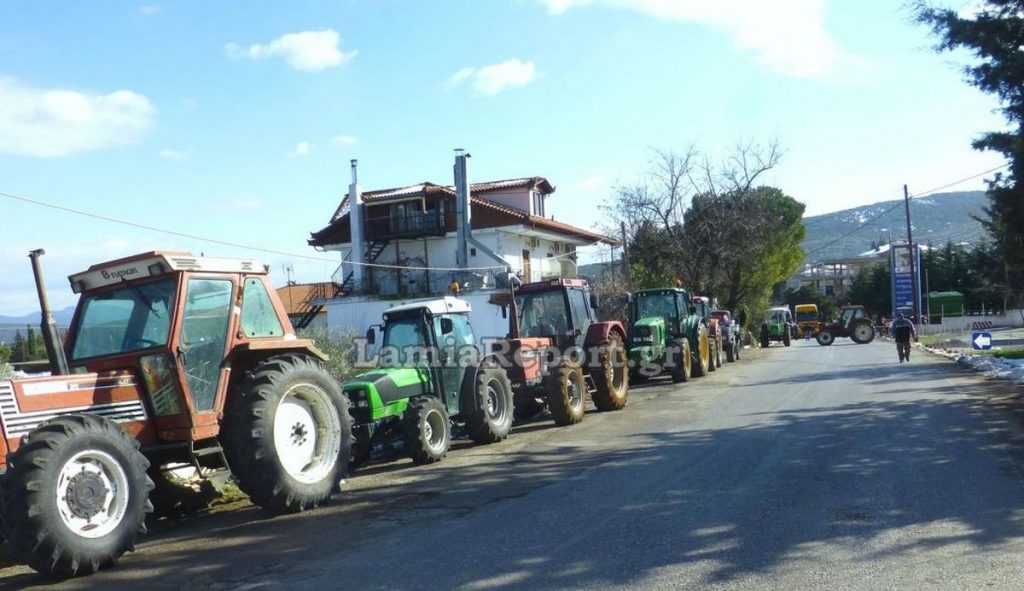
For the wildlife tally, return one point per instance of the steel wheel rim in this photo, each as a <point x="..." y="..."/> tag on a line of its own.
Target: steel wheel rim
<point x="618" y="369"/>
<point x="497" y="408"/>
<point x="575" y="396"/>
<point x="863" y="331"/>
<point x="92" y="494"/>
<point x="433" y="430"/>
<point x="307" y="433"/>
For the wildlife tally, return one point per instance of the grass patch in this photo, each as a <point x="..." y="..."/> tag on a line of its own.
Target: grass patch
<point x="1016" y="353"/>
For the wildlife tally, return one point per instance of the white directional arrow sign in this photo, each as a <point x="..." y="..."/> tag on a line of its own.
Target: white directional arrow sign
<point x="981" y="340"/>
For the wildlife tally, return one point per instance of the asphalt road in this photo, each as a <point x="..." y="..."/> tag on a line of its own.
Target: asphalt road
<point x="796" y="468"/>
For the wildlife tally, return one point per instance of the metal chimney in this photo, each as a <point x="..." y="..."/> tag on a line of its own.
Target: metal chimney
<point x="355" y="218"/>
<point x="462" y="209"/>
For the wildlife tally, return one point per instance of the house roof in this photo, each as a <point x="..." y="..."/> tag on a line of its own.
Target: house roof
<point x="294" y="296"/>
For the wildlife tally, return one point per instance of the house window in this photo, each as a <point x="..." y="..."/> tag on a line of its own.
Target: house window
<point x="538" y="203"/>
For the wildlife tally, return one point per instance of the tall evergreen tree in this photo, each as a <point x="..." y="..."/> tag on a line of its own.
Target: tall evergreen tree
<point x="994" y="34"/>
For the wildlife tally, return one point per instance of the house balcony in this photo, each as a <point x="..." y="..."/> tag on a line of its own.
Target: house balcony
<point x="409" y="225"/>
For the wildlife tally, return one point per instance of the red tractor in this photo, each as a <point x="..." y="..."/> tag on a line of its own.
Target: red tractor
<point x="171" y="360"/>
<point x="852" y="322"/>
<point x="561" y="353"/>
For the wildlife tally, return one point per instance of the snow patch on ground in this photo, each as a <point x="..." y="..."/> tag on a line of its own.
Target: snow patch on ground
<point x="988" y="366"/>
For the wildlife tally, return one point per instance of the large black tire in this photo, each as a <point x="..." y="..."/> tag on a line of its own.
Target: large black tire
<point x="567" y="392"/>
<point x="786" y="338"/>
<point x="825" y="337"/>
<point x="611" y="376"/>
<point x="426" y="430"/>
<point x="683" y="361"/>
<point x="730" y="353"/>
<point x="862" y="332"/>
<point x="702" y="356"/>
<point x="765" y="340"/>
<point x="738" y="346"/>
<point x="713" y="354"/>
<point x="63" y="511"/>
<point x="290" y="399"/>
<point x="492" y="419"/>
<point x="173" y="497"/>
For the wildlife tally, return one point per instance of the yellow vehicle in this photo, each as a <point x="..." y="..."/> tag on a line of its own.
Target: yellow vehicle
<point x="807" y="320"/>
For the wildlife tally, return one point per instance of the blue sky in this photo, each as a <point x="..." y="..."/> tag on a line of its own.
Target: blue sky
<point x="236" y="121"/>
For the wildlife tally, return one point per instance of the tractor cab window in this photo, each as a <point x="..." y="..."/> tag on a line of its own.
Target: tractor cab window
<point x="580" y="305"/>
<point x="124" y="320"/>
<point x="259" y="319"/>
<point x="657" y="305"/>
<point x="542" y="314"/>
<point x="851" y="314"/>
<point x="461" y="334"/>
<point x="405" y="342"/>
<point x="204" y="337"/>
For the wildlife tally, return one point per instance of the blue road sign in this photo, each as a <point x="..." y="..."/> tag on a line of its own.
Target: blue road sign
<point x="981" y="340"/>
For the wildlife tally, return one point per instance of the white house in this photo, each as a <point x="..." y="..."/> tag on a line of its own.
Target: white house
<point x="421" y="238"/>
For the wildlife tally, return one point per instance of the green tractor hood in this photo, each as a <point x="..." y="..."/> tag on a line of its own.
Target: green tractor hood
<point x="647" y="339"/>
<point x="385" y="392"/>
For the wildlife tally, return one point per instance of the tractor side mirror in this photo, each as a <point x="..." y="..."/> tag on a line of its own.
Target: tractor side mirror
<point x="595" y="302"/>
<point x="447" y="325"/>
<point x="371" y="335"/>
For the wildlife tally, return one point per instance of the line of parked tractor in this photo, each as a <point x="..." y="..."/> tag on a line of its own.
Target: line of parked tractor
<point x="180" y="370"/>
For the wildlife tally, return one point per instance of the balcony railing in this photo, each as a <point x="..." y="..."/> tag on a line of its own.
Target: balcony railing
<point x="408" y="225"/>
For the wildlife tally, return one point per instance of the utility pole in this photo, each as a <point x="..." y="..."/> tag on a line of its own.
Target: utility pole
<point x="625" y="254"/>
<point x="915" y="288"/>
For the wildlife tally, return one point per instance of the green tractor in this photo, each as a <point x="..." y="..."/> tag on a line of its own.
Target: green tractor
<point x="667" y="336"/>
<point x="778" y="326"/>
<point x="430" y="372"/>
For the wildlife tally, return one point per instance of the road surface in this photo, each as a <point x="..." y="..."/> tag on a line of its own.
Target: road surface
<point x="796" y="468"/>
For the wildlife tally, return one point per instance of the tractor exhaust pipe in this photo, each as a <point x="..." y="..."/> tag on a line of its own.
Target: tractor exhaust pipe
<point x="54" y="348"/>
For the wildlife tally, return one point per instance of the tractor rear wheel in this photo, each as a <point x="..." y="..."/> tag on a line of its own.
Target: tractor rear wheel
<point x="426" y="430"/>
<point x="703" y="353"/>
<point x="611" y="376"/>
<point x="765" y="340"/>
<point x="786" y="339"/>
<point x="825" y="337"/>
<point x="682" y="365"/>
<point x="730" y="353"/>
<point x="492" y="419"/>
<point x="76" y="496"/>
<point x="566" y="390"/>
<point x="288" y="434"/>
<point x="862" y="333"/>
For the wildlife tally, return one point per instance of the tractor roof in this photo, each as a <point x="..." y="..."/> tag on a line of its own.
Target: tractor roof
<point x="552" y="284"/>
<point x="445" y="305"/>
<point x="151" y="264"/>
<point x="661" y="290"/>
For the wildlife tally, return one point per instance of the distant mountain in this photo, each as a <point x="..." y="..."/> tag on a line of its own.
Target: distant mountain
<point x="936" y="220"/>
<point x="10" y="325"/>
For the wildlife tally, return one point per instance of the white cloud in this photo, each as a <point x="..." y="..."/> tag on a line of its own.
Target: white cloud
<point x="309" y="51"/>
<point x="149" y="9"/>
<point x="175" y="155"/>
<point x="788" y="38"/>
<point x="52" y="122"/>
<point x="492" y="79"/>
<point x="301" y="149"/>
<point x="344" y="140"/>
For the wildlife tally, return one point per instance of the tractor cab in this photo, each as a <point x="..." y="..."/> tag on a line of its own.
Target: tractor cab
<point x="848" y="314"/>
<point x="561" y="310"/>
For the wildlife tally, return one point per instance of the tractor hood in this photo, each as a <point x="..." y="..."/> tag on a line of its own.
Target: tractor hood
<point x="387" y="385"/>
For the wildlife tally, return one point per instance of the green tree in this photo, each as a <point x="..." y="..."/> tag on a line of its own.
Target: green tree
<point x="872" y="288"/>
<point x="994" y="35"/>
<point x="19" y="349"/>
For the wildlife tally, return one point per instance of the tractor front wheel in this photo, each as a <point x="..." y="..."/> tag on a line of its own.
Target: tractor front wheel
<point x="566" y="390"/>
<point x="288" y="434"/>
<point x="682" y="365"/>
<point x="427" y="430"/>
<point x="786" y="338"/>
<point x="825" y="337"/>
<point x="492" y="419"/>
<point x="76" y="496"/>
<point x="611" y="376"/>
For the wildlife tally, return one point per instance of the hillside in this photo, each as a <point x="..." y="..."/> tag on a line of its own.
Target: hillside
<point x="10" y="325"/>
<point x="936" y="219"/>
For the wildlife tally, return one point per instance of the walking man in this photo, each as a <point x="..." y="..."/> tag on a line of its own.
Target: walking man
<point x="902" y="330"/>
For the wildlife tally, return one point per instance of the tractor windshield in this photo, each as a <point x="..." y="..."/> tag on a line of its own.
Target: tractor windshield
<point x="405" y="342"/>
<point x="657" y="305"/>
<point x="124" y="320"/>
<point x="542" y="314"/>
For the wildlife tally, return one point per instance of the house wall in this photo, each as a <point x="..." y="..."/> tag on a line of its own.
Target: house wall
<point x="519" y="199"/>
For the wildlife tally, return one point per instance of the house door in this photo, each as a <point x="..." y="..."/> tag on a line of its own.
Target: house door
<point x="527" y="275"/>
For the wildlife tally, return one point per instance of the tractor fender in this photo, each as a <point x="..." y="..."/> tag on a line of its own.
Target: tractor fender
<point x="598" y="332"/>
